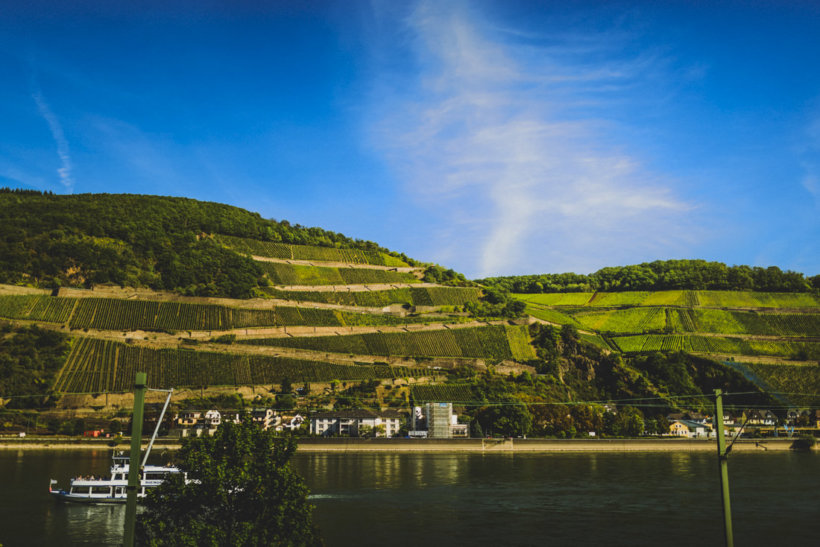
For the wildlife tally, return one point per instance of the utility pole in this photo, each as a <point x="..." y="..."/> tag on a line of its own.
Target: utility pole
<point x="723" y="455"/>
<point x="134" y="464"/>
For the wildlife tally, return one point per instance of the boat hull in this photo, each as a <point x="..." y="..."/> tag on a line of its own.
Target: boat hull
<point x="62" y="495"/>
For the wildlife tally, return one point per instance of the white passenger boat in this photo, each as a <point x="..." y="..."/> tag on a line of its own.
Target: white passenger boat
<point x="111" y="489"/>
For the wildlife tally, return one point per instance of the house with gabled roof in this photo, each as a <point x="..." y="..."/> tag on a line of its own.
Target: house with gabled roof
<point x="689" y="429"/>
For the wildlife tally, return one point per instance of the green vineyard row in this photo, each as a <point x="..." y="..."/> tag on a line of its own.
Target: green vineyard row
<point x="96" y="366"/>
<point x="118" y="314"/>
<point x="717" y="344"/>
<point x="682" y="320"/>
<point x="291" y="274"/>
<point x="492" y="342"/>
<point x="692" y="299"/>
<point x="36" y="308"/>
<point x="414" y="296"/>
<point x="273" y="249"/>
<point x="451" y="393"/>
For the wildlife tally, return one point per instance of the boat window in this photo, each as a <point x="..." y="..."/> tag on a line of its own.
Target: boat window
<point x="119" y="490"/>
<point x="100" y="489"/>
<point x="80" y="489"/>
<point x="156" y="476"/>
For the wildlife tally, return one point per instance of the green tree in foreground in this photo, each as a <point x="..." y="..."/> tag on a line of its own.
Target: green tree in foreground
<point x="241" y="490"/>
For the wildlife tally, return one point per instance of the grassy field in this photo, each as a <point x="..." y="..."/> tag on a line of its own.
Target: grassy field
<point x="744" y="299"/>
<point x="741" y="322"/>
<point x="491" y="342"/>
<point x="623" y="321"/>
<point x="272" y="249"/>
<point x="556" y="299"/>
<point x="289" y="274"/>
<point x="551" y="315"/>
<point x="96" y="366"/>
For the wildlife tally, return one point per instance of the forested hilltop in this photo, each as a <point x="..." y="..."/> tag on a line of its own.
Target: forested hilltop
<point x="163" y="243"/>
<point x="662" y="275"/>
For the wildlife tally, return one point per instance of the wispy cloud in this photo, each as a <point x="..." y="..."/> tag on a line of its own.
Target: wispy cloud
<point x="507" y="138"/>
<point x="65" y="169"/>
<point x="810" y="160"/>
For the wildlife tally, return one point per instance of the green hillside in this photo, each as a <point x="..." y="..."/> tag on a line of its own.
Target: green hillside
<point x="201" y="295"/>
<point x="721" y="323"/>
<point x="164" y="243"/>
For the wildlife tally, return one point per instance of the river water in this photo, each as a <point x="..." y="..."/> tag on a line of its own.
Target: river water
<point x="669" y="499"/>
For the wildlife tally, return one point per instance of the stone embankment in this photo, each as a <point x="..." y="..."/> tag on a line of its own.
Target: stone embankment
<point x="482" y="446"/>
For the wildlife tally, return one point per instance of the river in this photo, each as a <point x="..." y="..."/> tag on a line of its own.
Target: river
<point x="669" y="499"/>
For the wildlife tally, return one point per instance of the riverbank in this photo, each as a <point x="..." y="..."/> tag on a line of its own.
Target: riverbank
<point x="484" y="446"/>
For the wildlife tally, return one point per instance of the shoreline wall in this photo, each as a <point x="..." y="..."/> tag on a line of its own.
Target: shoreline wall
<point x="482" y="446"/>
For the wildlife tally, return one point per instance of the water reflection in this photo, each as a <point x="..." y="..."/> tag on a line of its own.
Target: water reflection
<point x="85" y="524"/>
<point x="682" y="464"/>
<point x="475" y="499"/>
<point x="381" y="471"/>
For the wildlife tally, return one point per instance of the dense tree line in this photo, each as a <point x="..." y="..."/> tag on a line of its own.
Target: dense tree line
<point x="139" y="241"/>
<point x="662" y="275"/>
<point x="29" y="359"/>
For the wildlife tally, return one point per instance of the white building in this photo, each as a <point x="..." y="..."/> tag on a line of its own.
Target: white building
<point x="352" y="423"/>
<point x="689" y="428"/>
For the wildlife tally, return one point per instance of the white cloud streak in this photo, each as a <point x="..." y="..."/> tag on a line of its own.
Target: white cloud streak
<point x="508" y="142"/>
<point x="811" y="161"/>
<point x="65" y="169"/>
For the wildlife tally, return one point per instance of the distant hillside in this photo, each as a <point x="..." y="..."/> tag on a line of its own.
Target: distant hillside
<point x="662" y="275"/>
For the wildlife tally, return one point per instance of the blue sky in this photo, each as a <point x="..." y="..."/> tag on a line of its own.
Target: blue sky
<point x="496" y="138"/>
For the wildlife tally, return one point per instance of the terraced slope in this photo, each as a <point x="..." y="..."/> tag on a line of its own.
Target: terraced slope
<point x="690" y="299"/>
<point x="97" y="366"/>
<point x="99" y="363"/>
<point x="413" y="296"/>
<point x="152" y="315"/>
<point x="492" y="342"/>
<point x="286" y="251"/>
<point x="727" y="323"/>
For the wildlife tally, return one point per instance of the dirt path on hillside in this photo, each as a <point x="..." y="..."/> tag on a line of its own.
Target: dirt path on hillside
<point x="276" y="332"/>
<point x="330" y="264"/>
<point x="355" y="288"/>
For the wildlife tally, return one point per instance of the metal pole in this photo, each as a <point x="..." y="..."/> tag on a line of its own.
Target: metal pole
<point x="134" y="463"/>
<point x="159" y="423"/>
<point x="723" y="456"/>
